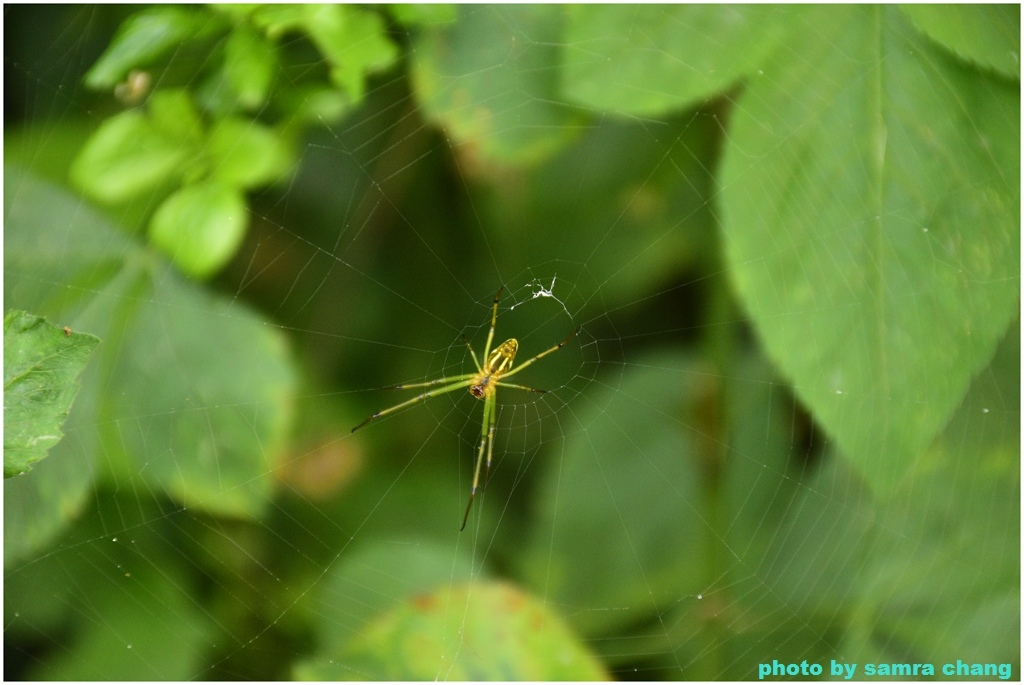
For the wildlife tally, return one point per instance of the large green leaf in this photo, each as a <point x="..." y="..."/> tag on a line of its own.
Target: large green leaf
<point x="636" y="493"/>
<point x="362" y="585"/>
<point x="38" y="504"/>
<point x="871" y="205"/>
<point x="42" y="502"/>
<point x="200" y="399"/>
<point x="145" y="627"/>
<point x="636" y="481"/>
<point x="193" y="399"/>
<point x="119" y="600"/>
<point x="986" y="34"/>
<point x="943" y="574"/>
<point x="933" y="571"/>
<point x="474" y="631"/>
<point x="649" y="60"/>
<point x="490" y="80"/>
<point x="41" y="365"/>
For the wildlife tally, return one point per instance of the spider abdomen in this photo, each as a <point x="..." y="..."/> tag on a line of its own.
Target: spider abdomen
<point x="500" y="360"/>
<point x="479" y="388"/>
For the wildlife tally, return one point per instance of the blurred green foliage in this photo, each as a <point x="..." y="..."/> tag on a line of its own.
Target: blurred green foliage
<point x="788" y="430"/>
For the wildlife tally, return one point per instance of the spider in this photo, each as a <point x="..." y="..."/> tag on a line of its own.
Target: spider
<point x="483" y="384"/>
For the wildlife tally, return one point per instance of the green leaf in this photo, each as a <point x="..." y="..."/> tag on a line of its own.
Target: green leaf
<point x="215" y="394"/>
<point x="143" y="38"/>
<point x="354" y="43"/>
<point x="932" y="571"/>
<point x="988" y="35"/>
<point x="367" y="580"/>
<point x="488" y="79"/>
<point x="127" y="156"/>
<point x="351" y="39"/>
<point x="425" y="14"/>
<point x="249" y="65"/>
<point x="200" y="227"/>
<point x="194" y="399"/>
<point x="871" y="218"/>
<point x="476" y="631"/>
<point x="175" y="116"/>
<point x="315" y="104"/>
<point x="941" y="582"/>
<point x="246" y="154"/>
<point x="41" y="364"/>
<point x="277" y="19"/>
<point x="237" y="11"/>
<point x="650" y="60"/>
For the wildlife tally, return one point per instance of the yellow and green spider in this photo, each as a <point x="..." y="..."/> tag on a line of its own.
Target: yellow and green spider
<point x="483" y="384"/>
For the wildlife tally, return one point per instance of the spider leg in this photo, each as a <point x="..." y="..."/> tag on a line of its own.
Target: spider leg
<point x="486" y="441"/>
<point x="470" y="348"/>
<point x="518" y="387"/>
<point x="436" y="381"/>
<point x="494" y="322"/>
<point x="542" y="354"/>
<point x="490" y="437"/>
<point x="462" y="383"/>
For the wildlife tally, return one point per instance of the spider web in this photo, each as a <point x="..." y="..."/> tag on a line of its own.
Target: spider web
<point x="671" y="506"/>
